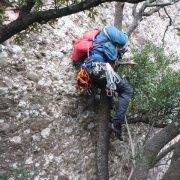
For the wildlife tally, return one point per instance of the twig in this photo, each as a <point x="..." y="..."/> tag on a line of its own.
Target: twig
<point x="167" y="27"/>
<point x="163" y="4"/>
<point x="132" y="169"/>
<point x="132" y="149"/>
<point x="149" y="130"/>
<point x="131" y="142"/>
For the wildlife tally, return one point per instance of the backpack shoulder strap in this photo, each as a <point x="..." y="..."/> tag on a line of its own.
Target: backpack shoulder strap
<point x="105" y="32"/>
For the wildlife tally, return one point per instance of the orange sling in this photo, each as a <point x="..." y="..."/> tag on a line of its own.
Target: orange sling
<point x="83" y="80"/>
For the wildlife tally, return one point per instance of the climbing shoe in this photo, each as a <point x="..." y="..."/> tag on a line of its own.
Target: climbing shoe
<point x="117" y="129"/>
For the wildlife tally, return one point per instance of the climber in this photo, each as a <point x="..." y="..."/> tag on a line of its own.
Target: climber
<point x="109" y="46"/>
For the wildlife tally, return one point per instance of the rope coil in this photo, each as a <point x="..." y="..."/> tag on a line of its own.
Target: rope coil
<point x="112" y="77"/>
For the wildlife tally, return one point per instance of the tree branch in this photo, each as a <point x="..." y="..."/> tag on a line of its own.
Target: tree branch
<point x="152" y="11"/>
<point x="146" y="120"/>
<point x="153" y="147"/>
<point x="134" y="10"/>
<point x="163" y="4"/>
<point x="25" y="9"/>
<point x="138" y="15"/>
<point x="173" y="171"/>
<point x="103" y="137"/>
<point x="21" y="23"/>
<point x="167" y="27"/>
<point x="163" y="154"/>
<point x="119" y="7"/>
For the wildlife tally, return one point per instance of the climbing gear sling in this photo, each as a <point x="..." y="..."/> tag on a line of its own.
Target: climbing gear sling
<point x="83" y="80"/>
<point x="112" y="78"/>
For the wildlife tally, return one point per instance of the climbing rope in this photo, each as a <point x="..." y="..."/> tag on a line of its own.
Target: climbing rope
<point x="112" y="77"/>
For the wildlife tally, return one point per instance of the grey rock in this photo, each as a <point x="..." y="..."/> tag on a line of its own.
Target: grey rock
<point x="2" y="47"/>
<point x="34" y="113"/>
<point x="1" y="120"/>
<point x="15" y="139"/>
<point x="27" y="131"/>
<point x="58" y="54"/>
<point x="3" y="91"/>
<point x="22" y="104"/>
<point x="91" y="125"/>
<point x="6" y="103"/>
<point x="16" y="49"/>
<point x="3" y="55"/>
<point x="63" y="177"/>
<point x="33" y="76"/>
<point x="45" y="82"/>
<point x="29" y="161"/>
<point x="39" y="125"/>
<point x="36" y="137"/>
<point x="45" y="133"/>
<point x="4" y="127"/>
<point x="9" y="82"/>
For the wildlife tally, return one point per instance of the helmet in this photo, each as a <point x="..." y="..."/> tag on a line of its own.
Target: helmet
<point x="115" y="35"/>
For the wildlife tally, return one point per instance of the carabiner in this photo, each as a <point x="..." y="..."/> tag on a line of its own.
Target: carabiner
<point x="109" y="92"/>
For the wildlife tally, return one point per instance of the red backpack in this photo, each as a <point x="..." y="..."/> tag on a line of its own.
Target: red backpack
<point x="82" y="46"/>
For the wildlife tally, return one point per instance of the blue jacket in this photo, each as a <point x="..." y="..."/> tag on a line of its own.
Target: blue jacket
<point x="105" y="45"/>
<point x="97" y="53"/>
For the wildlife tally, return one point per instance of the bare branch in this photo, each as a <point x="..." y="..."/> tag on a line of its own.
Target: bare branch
<point x="167" y="27"/>
<point x="147" y="120"/>
<point x="163" y="4"/>
<point x="119" y="7"/>
<point x="153" y="147"/>
<point x="173" y="172"/>
<point x="138" y="15"/>
<point x="137" y="18"/>
<point x="163" y="154"/>
<point x="103" y="138"/>
<point x="134" y="10"/>
<point x="152" y="11"/>
<point x="131" y="142"/>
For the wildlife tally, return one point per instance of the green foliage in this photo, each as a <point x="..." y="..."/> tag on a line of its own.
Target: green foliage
<point x="38" y="5"/>
<point x="3" y="177"/>
<point x="21" y="174"/>
<point x="17" y="174"/>
<point x="21" y="2"/>
<point x="1" y="16"/>
<point x="92" y="13"/>
<point x="157" y="86"/>
<point x="178" y="31"/>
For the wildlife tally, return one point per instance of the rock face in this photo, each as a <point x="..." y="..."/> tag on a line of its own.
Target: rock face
<point x="43" y="129"/>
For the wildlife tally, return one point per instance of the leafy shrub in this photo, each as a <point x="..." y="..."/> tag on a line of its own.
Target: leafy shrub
<point x="157" y="85"/>
<point x="17" y="174"/>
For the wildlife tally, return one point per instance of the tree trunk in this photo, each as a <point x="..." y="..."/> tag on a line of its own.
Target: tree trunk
<point x="118" y="15"/>
<point x="103" y="137"/>
<point x="173" y="172"/>
<point x="153" y="146"/>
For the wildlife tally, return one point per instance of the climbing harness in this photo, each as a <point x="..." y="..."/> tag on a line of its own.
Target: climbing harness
<point x="112" y="77"/>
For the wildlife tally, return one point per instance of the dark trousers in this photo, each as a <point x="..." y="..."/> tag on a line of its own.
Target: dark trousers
<point x="125" y="93"/>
